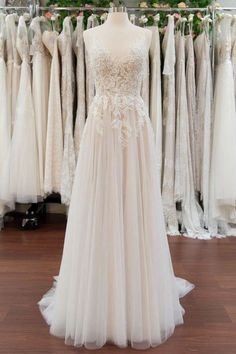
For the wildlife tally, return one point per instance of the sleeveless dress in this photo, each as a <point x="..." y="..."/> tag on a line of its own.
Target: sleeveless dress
<point x="78" y="45"/>
<point x="67" y="94"/>
<point x="13" y="67"/>
<point x="24" y="167"/>
<point x="40" y="90"/>
<point x="223" y="165"/>
<point x="54" y="138"/>
<point x="5" y="128"/>
<point x="116" y="281"/>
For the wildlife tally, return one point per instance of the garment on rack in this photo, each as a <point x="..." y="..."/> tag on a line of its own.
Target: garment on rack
<point x="90" y="84"/>
<point x="68" y="95"/>
<point x="54" y="139"/>
<point x="40" y="89"/>
<point x="191" y="97"/>
<point x="233" y="52"/>
<point x="24" y="167"/>
<point x="203" y="121"/>
<point x="190" y="214"/>
<point x="116" y="281"/>
<point x="155" y="93"/>
<point x="78" y="45"/>
<point x="168" y="180"/>
<point x="5" y="128"/>
<point x="13" y="66"/>
<point x="223" y="163"/>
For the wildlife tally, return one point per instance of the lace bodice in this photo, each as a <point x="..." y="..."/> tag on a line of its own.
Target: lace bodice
<point x="119" y="75"/>
<point x="224" y="38"/>
<point x="22" y="43"/>
<point x="37" y="44"/>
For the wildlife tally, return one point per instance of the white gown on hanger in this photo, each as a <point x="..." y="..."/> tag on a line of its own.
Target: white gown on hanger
<point x="13" y="66"/>
<point x="24" y="167"/>
<point x="5" y="128"/>
<point x="168" y="170"/>
<point x="223" y="162"/>
<point x="67" y="93"/>
<point x="155" y="93"/>
<point x="54" y="139"/>
<point x="191" y="212"/>
<point x="116" y="281"/>
<point x="40" y="89"/>
<point x="203" y="122"/>
<point x="78" y="45"/>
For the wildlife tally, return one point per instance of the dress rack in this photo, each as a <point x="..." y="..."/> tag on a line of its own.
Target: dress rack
<point x="30" y="219"/>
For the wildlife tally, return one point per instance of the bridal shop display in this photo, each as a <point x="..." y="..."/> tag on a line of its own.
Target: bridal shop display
<point x="188" y="86"/>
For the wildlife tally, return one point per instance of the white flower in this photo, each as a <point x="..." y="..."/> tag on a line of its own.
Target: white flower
<point x="155" y="4"/>
<point x="143" y="19"/>
<point x="182" y="5"/>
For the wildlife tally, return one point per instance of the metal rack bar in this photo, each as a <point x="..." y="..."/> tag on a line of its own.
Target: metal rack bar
<point x="140" y="9"/>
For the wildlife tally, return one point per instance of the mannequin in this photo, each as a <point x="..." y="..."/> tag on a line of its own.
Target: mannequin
<point x="117" y="33"/>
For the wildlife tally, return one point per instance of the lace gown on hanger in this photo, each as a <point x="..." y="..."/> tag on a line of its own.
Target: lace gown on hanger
<point x="24" y="167"/>
<point x="5" y="128"/>
<point x="67" y="94"/>
<point x="184" y="183"/>
<point x="168" y="178"/>
<point x="54" y="139"/>
<point x="155" y="93"/>
<point x="40" y="89"/>
<point x="203" y="122"/>
<point x="223" y="163"/>
<point x="78" y="45"/>
<point x="13" y="66"/>
<point x="116" y="281"/>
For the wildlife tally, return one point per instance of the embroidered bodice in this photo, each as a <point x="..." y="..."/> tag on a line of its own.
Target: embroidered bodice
<point x="22" y="42"/>
<point x="115" y="74"/>
<point x="224" y="40"/>
<point x="37" y="44"/>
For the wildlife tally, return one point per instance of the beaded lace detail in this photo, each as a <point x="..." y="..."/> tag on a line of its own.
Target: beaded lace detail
<point x="118" y="82"/>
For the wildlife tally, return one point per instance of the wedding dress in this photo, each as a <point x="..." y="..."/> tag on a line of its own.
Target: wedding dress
<point x="5" y="128"/>
<point x="203" y="121"/>
<point x="155" y="93"/>
<point x="190" y="214"/>
<point x="67" y="93"/>
<point x="40" y="89"/>
<point x="54" y="139"/>
<point x="223" y="166"/>
<point x="233" y="52"/>
<point x="78" y="45"/>
<point x="24" y="168"/>
<point x="13" y="66"/>
<point x="168" y="174"/>
<point x="116" y="281"/>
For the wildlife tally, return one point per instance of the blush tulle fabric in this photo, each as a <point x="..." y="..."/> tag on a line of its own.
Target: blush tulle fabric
<point x="116" y="282"/>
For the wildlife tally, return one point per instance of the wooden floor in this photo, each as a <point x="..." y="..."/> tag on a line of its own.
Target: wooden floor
<point x="28" y="260"/>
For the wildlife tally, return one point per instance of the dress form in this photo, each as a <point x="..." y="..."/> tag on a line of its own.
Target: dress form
<point x="117" y="33"/>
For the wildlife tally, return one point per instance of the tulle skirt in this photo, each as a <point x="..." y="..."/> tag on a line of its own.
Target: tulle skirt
<point x="223" y="165"/>
<point x="116" y="282"/>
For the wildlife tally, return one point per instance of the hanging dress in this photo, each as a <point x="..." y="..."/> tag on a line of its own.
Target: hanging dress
<point x="24" y="167"/>
<point x="168" y="47"/>
<point x="190" y="213"/>
<point x="223" y="164"/>
<point x="54" y="139"/>
<point x="90" y="84"/>
<point x="155" y="93"/>
<point x="78" y="45"/>
<point x="191" y="95"/>
<point x="40" y="89"/>
<point x="116" y="281"/>
<point x="233" y="53"/>
<point x="13" y="67"/>
<point x="67" y="94"/>
<point x="5" y="128"/>
<point x="203" y="122"/>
